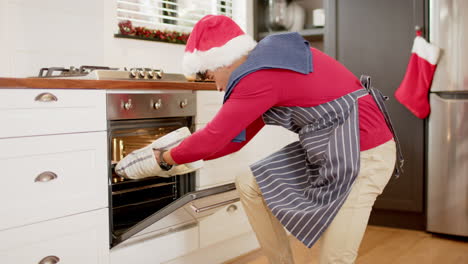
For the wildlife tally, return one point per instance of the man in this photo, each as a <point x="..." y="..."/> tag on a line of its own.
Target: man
<point x="322" y="186"/>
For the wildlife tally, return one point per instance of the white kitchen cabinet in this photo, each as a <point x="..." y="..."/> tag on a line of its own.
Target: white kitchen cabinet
<point x="52" y="176"/>
<point x="217" y="172"/>
<point x="222" y="170"/>
<point x="226" y="223"/>
<point x="54" y="161"/>
<point x="30" y="112"/>
<point x="208" y="104"/>
<point x="154" y="249"/>
<point x="220" y="252"/>
<point x="77" y="239"/>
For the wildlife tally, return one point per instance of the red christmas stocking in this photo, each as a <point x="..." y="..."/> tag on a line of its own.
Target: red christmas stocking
<point x="414" y="89"/>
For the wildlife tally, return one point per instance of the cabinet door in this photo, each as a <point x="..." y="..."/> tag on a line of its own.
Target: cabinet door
<point x="225" y="224"/>
<point x="29" y="112"/>
<point x="208" y="104"/>
<point x="156" y="249"/>
<point x="52" y="176"/>
<point x="78" y="239"/>
<point x="375" y="37"/>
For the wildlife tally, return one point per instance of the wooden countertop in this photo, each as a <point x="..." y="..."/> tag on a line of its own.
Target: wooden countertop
<point x="42" y="83"/>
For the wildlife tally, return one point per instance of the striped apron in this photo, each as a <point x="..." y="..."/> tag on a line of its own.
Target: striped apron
<point x="305" y="183"/>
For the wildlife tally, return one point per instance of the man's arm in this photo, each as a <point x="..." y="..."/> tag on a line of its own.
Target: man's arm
<point x="251" y="98"/>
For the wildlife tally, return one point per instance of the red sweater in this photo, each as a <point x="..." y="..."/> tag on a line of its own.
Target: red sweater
<point x="263" y="89"/>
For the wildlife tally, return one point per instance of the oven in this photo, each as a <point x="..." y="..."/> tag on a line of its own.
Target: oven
<point x="156" y="205"/>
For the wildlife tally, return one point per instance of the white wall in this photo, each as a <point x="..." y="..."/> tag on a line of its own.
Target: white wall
<point x="50" y="33"/>
<point x="63" y="33"/>
<point x="4" y="47"/>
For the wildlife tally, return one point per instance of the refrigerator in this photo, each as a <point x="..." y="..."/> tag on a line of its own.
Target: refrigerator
<point x="447" y="167"/>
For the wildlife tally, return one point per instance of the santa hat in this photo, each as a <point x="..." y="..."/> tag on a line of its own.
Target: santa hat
<point x="414" y="89"/>
<point x="215" y="41"/>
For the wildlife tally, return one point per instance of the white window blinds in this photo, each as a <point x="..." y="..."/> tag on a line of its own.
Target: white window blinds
<point x="175" y="15"/>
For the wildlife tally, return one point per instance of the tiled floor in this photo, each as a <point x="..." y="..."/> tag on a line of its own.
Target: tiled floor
<point x="383" y="245"/>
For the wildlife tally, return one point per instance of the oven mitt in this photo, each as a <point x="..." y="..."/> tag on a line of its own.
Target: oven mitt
<point x="141" y="163"/>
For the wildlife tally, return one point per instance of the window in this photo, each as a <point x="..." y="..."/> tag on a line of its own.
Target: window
<point x="173" y="15"/>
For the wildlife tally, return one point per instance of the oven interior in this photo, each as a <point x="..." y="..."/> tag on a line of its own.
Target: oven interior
<point x="132" y="201"/>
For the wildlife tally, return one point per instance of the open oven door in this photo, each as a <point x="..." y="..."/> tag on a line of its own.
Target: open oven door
<point x="183" y="212"/>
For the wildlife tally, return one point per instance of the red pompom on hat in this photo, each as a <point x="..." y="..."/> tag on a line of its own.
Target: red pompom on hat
<point x="215" y="41"/>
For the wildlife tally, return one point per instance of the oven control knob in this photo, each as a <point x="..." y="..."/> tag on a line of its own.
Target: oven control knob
<point x="183" y="103"/>
<point x="159" y="74"/>
<point x="133" y="74"/>
<point x="142" y="74"/>
<point x="127" y="105"/>
<point x="158" y="104"/>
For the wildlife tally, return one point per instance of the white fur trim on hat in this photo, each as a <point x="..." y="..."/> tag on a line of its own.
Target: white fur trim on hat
<point x="211" y="59"/>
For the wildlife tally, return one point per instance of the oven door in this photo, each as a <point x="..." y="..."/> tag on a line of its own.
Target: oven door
<point x="183" y="212"/>
<point x="155" y="205"/>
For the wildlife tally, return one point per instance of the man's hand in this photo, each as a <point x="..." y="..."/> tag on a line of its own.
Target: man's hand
<point x="145" y="162"/>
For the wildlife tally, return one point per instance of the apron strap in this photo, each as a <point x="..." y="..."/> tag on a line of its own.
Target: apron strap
<point x="380" y="100"/>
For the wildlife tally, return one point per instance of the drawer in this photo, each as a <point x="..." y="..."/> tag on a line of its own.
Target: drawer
<point x="220" y="171"/>
<point x="226" y="223"/>
<point x="78" y="239"/>
<point x="223" y="252"/>
<point x="39" y="112"/>
<point x="208" y="104"/>
<point x="148" y="249"/>
<point x="75" y="165"/>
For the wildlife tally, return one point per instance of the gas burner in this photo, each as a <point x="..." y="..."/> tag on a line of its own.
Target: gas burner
<point x="70" y="72"/>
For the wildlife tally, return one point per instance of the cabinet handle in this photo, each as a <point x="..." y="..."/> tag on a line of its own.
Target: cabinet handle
<point x="183" y="103"/>
<point x="213" y="206"/>
<point x="46" y="176"/>
<point x="46" y="97"/>
<point x="231" y="209"/>
<point x="126" y="105"/>
<point x="50" y="260"/>
<point x="158" y="104"/>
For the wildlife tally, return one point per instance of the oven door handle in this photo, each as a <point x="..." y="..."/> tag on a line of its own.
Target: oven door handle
<point x="212" y="206"/>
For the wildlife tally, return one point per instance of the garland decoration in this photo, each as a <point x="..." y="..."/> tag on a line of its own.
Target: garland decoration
<point x="126" y="29"/>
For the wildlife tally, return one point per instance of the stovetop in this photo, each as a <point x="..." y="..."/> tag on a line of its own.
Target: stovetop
<point x="109" y="73"/>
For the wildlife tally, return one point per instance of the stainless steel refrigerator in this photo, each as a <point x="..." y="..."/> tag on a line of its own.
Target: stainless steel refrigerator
<point x="447" y="184"/>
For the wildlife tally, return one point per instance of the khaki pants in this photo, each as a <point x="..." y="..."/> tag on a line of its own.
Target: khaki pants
<point x="340" y="242"/>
